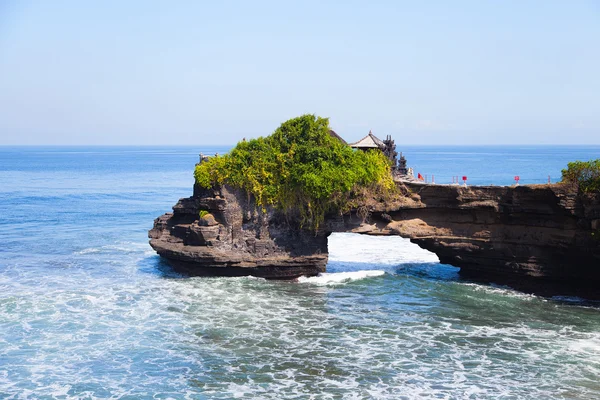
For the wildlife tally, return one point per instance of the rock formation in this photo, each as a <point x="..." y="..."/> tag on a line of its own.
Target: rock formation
<point x="235" y="238"/>
<point x="503" y="233"/>
<point x="516" y="235"/>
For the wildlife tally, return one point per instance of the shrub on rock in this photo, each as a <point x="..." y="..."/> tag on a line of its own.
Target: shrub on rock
<point x="300" y="170"/>
<point x="585" y="175"/>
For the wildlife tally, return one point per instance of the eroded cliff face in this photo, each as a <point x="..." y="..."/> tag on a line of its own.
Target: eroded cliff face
<point x="503" y="233"/>
<point x="506" y="233"/>
<point x="236" y="238"/>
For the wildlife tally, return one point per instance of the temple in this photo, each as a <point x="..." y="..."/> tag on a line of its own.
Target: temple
<point x="387" y="146"/>
<point x="369" y="142"/>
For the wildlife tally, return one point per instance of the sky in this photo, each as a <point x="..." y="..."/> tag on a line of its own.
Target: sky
<point x="213" y="72"/>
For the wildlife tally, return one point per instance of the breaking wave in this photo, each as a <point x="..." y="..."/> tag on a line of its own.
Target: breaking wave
<point x="337" y="278"/>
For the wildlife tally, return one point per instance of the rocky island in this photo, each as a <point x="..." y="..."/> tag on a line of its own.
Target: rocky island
<point x="540" y="233"/>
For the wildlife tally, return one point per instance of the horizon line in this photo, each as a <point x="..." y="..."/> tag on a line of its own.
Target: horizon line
<point x="234" y="144"/>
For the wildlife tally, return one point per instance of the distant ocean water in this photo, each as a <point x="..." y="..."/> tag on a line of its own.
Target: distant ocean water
<point x="89" y="311"/>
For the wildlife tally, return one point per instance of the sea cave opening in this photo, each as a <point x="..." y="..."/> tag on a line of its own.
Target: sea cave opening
<point x="356" y="253"/>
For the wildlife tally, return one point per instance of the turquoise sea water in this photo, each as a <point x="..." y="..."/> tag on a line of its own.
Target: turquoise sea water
<point x="88" y="311"/>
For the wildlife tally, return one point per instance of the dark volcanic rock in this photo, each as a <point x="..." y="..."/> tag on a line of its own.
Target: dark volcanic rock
<point x="235" y="239"/>
<point x="507" y="234"/>
<point x="536" y="233"/>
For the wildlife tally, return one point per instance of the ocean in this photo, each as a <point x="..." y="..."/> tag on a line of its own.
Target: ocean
<point x="89" y="311"/>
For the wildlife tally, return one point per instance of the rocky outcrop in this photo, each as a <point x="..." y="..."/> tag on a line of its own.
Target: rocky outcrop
<point x="235" y="238"/>
<point x="518" y="233"/>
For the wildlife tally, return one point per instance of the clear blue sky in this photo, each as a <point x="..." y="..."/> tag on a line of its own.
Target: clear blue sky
<point x="200" y="72"/>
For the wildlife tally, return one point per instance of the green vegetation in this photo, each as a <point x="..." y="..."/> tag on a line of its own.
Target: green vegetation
<point x="301" y="170"/>
<point x="584" y="175"/>
<point x="202" y="213"/>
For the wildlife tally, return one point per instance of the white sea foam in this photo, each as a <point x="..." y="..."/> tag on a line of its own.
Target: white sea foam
<point x="337" y="278"/>
<point x="123" y="247"/>
<point x="126" y="333"/>
<point x="388" y="250"/>
<point x="89" y="250"/>
<point x="590" y="346"/>
<point x="501" y="290"/>
<point x="272" y="340"/>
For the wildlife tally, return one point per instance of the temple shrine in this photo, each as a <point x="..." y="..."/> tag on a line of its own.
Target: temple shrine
<point x="388" y="147"/>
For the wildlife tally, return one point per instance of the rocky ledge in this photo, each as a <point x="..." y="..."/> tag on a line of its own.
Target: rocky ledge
<point x="510" y="234"/>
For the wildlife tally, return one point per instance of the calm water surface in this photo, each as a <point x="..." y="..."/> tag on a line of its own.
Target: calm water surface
<point x="88" y="311"/>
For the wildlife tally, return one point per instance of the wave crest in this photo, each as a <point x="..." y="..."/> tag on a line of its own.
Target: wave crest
<point x="337" y="278"/>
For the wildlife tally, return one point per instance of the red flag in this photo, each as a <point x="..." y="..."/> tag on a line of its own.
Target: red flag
<point x="420" y="177"/>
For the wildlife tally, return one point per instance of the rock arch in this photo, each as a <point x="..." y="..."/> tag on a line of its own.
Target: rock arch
<point x="540" y="232"/>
